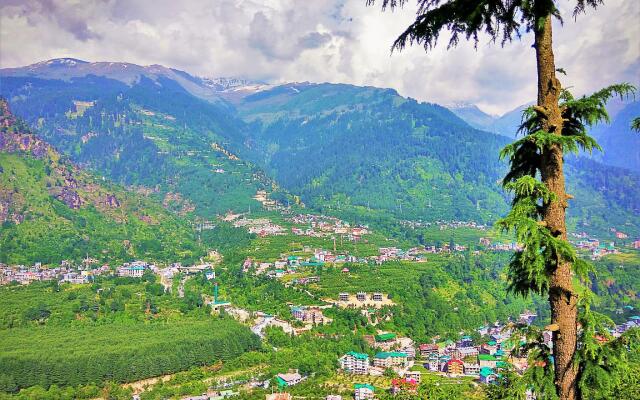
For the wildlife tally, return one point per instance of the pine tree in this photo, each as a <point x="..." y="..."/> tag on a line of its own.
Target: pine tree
<point x="555" y="125"/>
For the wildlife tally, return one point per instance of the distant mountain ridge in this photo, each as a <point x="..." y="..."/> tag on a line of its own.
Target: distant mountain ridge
<point x="616" y="138"/>
<point x="341" y="147"/>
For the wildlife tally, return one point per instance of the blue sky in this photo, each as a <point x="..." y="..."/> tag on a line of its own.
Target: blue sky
<point x="318" y="41"/>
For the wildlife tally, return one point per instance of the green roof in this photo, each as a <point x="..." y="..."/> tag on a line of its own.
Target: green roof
<point x="383" y="337"/>
<point x="486" y="357"/>
<point x="502" y="364"/>
<point x="492" y="343"/>
<point x="359" y="356"/>
<point x="486" y="371"/>
<point x="387" y="354"/>
<point x="281" y="382"/>
<point x="364" y="386"/>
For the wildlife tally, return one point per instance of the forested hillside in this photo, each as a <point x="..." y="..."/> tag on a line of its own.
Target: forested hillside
<point x="360" y="152"/>
<point x="152" y="134"/>
<point x="341" y="145"/>
<point x="51" y="210"/>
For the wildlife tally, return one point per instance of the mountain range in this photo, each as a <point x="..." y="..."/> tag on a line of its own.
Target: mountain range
<point x="620" y="146"/>
<point x="204" y="146"/>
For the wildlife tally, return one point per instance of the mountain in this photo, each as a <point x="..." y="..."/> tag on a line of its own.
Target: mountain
<point x="364" y="153"/>
<point x="473" y="115"/>
<point x="51" y="210"/>
<point x="621" y="146"/>
<point x="616" y="138"/>
<point x="150" y="127"/>
<point x="506" y="124"/>
<point x="343" y="146"/>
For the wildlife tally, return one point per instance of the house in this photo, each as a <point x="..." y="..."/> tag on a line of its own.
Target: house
<point x="636" y="244"/>
<point x="427" y="349"/>
<point x="363" y="391"/>
<point x="621" y="235"/>
<point x="343" y="296"/>
<point x="454" y="367"/>
<point x="489" y="348"/>
<point x="377" y="296"/>
<point x="415" y="376"/>
<point x="385" y="337"/>
<point x="487" y="360"/>
<point x="333" y="397"/>
<point x="403" y="385"/>
<point x="387" y="359"/>
<point x="131" y="271"/>
<point x="355" y="363"/>
<point x="471" y="368"/>
<point x="466" y="341"/>
<point x="527" y="317"/>
<point x="361" y="296"/>
<point x="464" y="352"/>
<point x="288" y="379"/>
<point x="279" y="396"/>
<point x="311" y="315"/>
<point x="487" y="375"/>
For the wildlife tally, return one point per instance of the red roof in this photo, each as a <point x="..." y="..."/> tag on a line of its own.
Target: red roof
<point x="453" y="360"/>
<point x="404" y="382"/>
<point x="427" y="346"/>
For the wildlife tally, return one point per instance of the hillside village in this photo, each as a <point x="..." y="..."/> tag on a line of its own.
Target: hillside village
<point x="479" y="356"/>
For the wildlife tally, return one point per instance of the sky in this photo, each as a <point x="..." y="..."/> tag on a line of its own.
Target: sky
<point x="320" y="41"/>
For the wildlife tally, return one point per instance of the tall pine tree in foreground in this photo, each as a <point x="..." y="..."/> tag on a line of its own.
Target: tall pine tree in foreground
<point x="555" y="125"/>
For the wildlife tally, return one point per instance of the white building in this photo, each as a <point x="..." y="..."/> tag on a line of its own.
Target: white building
<point x="355" y="363"/>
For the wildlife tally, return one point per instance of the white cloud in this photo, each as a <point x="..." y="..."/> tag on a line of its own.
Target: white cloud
<point x="334" y="41"/>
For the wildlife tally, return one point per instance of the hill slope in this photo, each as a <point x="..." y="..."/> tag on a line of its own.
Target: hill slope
<point x="342" y="145"/>
<point x="51" y="210"/>
<point x="143" y="129"/>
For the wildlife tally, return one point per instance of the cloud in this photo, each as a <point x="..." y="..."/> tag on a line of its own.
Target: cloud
<point x="332" y="41"/>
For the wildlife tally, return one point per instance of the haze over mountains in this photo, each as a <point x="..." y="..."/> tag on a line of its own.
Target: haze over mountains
<point x="620" y="145"/>
<point x="362" y="152"/>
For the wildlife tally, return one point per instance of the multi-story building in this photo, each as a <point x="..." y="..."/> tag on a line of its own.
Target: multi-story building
<point x="387" y="359"/>
<point x="363" y="391"/>
<point x="455" y="367"/>
<point x="355" y="363"/>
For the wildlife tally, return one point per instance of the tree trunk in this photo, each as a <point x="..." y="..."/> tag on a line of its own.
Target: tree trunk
<point x="562" y="298"/>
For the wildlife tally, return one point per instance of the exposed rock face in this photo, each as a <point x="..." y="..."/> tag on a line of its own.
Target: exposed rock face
<point x="111" y="201"/>
<point x="14" y="141"/>
<point x="69" y="197"/>
<point x="146" y="219"/>
<point x="8" y="201"/>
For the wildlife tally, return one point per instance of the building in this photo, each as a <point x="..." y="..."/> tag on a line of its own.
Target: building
<point x="377" y="296"/>
<point x="310" y="315"/>
<point x="363" y="391"/>
<point x="454" y="367"/>
<point x="279" y="396"/>
<point x="403" y="386"/>
<point x="387" y="359"/>
<point x="131" y="271"/>
<point x="343" y="296"/>
<point x="385" y="337"/>
<point x="288" y="379"/>
<point x="487" y="375"/>
<point x="361" y="296"/>
<point x="427" y="349"/>
<point x="487" y="360"/>
<point x="415" y="376"/>
<point x="471" y="368"/>
<point x="355" y="363"/>
<point x="464" y="352"/>
<point x="333" y="397"/>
